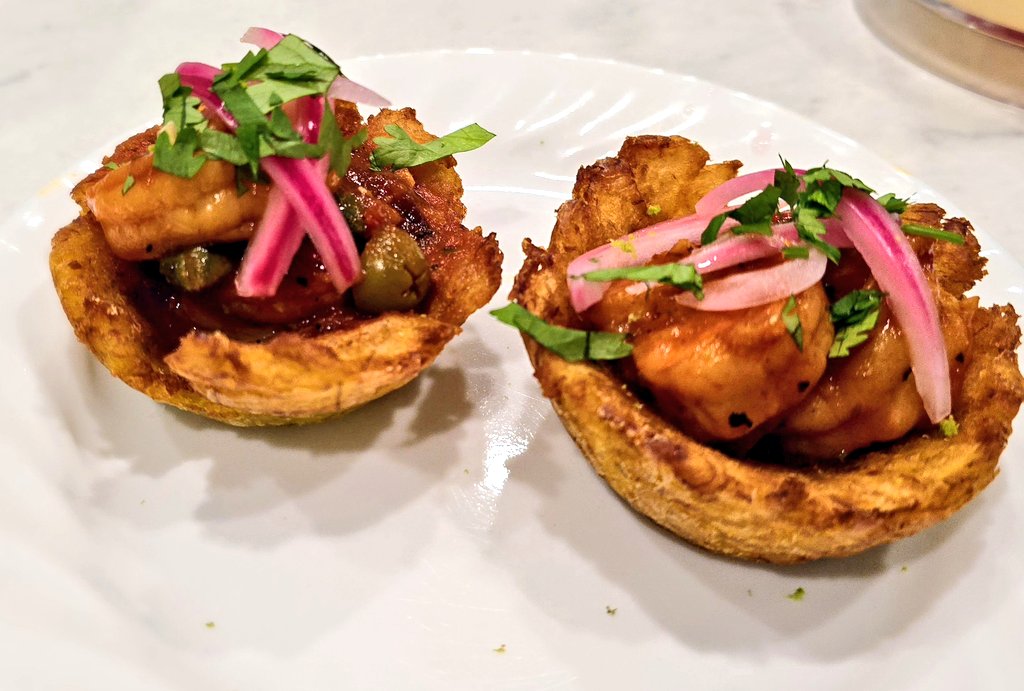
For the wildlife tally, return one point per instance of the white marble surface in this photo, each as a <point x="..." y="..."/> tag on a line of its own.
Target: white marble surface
<point x="73" y="75"/>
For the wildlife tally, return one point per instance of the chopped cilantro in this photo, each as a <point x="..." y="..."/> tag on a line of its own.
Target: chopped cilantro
<point x="222" y="146"/>
<point x="110" y="165"/>
<point x="682" y="276"/>
<point x="854" y="316"/>
<point x="797" y="595"/>
<point x="653" y="210"/>
<point x="788" y="183"/>
<point x="791" y="320"/>
<point x="824" y="174"/>
<point x="710" y="233"/>
<point x="178" y="157"/>
<point x="934" y="233"/>
<point x="949" y="427"/>
<point x="610" y="611"/>
<point x="571" y="344"/>
<point x="337" y="146"/>
<point x="892" y="203"/>
<point x="129" y="182"/>
<point x="795" y="252"/>
<point x="754" y="215"/>
<point x="401" y="151"/>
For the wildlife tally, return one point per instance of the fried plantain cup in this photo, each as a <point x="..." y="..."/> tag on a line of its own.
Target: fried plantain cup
<point x="292" y="375"/>
<point x="773" y="511"/>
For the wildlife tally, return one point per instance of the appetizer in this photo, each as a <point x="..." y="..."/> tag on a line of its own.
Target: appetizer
<point x="786" y="376"/>
<point x="266" y="256"/>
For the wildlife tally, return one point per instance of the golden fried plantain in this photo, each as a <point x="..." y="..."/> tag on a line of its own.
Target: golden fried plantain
<point x="758" y="510"/>
<point x="297" y="376"/>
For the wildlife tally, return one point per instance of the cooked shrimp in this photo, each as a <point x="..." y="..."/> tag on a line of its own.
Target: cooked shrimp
<point x="159" y="213"/>
<point x="871" y="395"/>
<point x="722" y="375"/>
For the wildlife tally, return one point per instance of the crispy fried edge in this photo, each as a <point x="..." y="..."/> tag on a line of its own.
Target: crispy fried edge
<point x="288" y="380"/>
<point x="749" y="510"/>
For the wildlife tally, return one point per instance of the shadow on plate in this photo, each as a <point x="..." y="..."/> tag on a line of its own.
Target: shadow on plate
<point x="716" y="604"/>
<point x="251" y="472"/>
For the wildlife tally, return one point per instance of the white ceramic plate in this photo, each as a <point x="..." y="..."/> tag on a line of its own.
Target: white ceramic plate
<point x="407" y="544"/>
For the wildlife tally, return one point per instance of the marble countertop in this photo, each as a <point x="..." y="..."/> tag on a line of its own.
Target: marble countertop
<point x="74" y="75"/>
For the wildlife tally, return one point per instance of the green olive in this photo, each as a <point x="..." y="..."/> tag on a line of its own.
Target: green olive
<point x="396" y="275"/>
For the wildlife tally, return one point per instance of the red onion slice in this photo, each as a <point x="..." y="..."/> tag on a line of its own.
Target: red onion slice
<point x="895" y="266"/>
<point x="261" y="38"/>
<point x="344" y="89"/>
<point x="715" y="201"/>
<point x="761" y="286"/>
<point x="270" y="251"/>
<point x="303" y="186"/>
<point x="631" y="250"/>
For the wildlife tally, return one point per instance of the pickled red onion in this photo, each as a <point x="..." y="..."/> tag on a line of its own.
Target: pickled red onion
<point x="760" y="286"/>
<point x="261" y="38"/>
<point x="631" y="250"/>
<point x="716" y="200"/>
<point x="895" y="266"/>
<point x="270" y="251"/>
<point x="344" y="89"/>
<point x="304" y="187"/>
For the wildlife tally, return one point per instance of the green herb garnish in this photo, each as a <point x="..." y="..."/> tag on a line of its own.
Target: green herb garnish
<point x="129" y="182"/>
<point x="682" y="276"/>
<point x="949" y="427"/>
<point x="795" y="252"/>
<point x="854" y="316"/>
<point x="791" y="320"/>
<point x="253" y="91"/>
<point x="401" y="151"/>
<point x="797" y="595"/>
<point x="110" y="165"/>
<point x="934" y="233"/>
<point x="653" y="210"/>
<point x="754" y="215"/>
<point x="892" y="203"/>
<point x="571" y="344"/>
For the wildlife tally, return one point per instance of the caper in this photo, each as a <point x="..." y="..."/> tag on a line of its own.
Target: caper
<point x="194" y="269"/>
<point x="352" y="209"/>
<point x="396" y="275"/>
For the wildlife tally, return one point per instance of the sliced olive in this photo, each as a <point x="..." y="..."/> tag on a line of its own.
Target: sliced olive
<point x="194" y="269"/>
<point x="396" y="275"/>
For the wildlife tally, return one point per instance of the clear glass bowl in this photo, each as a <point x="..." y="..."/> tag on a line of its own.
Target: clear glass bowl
<point x="978" y="44"/>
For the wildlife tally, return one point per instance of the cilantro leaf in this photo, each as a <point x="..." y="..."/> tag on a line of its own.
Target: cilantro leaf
<point x="760" y="208"/>
<point x="222" y="146"/>
<point x="710" y="233"/>
<point x="934" y="233"/>
<point x="824" y="174"/>
<point x="892" y="203"/>
<point x="337" y="146"/>
<point x="788" y="183"/>
<point x="754" y="215"/>
<point x="129" y="182"/>
<point x="110" y="165"/>
<point x="791" y="320"/>
<point x="178" y="158"/>
<point x="571" y="344"/>
<point x="854" y="316"/>
<point x="682" y="276"/>
<point x="400" y="151"/>
<point x="810" y="229"/>
<point x="795" y="252"/>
